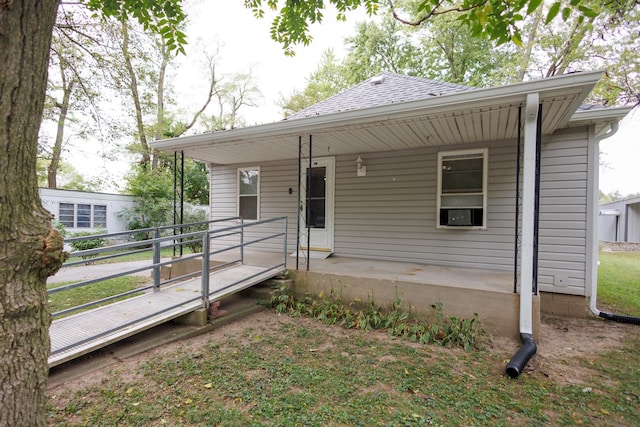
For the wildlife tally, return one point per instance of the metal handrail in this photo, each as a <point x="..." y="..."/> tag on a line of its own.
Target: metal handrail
<point x="206" y="235"/>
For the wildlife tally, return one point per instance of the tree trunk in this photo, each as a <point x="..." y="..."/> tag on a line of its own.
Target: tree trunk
<point x="30" y="250"/>
<point x="133" y="86"/>
<point x="56" y="154"/>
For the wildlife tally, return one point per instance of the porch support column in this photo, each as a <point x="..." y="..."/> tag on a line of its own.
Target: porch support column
<point x="528" y="213"/>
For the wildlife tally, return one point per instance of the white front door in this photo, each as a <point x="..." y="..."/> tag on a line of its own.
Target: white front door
<point x="316" y="206"/>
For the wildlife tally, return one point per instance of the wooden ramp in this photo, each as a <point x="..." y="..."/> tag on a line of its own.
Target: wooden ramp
<point x="84" y="332"/>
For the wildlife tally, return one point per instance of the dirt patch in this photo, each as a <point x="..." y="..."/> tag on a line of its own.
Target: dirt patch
<point x="566" y="341"/>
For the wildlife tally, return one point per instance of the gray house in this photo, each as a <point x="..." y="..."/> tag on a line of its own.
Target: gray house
<point x="620" y="221"/>
<point x="483" y="199"/>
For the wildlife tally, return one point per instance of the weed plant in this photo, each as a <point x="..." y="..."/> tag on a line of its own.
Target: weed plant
<point x="433" y="329"/>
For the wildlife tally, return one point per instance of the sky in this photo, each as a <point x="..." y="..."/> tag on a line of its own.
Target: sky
<point x="245" y="44"/>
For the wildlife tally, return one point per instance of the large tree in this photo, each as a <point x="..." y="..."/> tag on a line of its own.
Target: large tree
<point x="31" y="249"/>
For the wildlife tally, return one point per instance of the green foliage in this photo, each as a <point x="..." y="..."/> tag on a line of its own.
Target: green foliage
<point x="498" y="20"/>
<point x="89" y="243"/>
<point x="60" y="227"/>
<point x="193" y="214"/>
<point x="196" y="183"/>
<point x="329" y="79"/>
<point x="441" y="49"/>
<point x="386" y="46"/>
<point x="153" y="191"/>
<point x="436" y="329"/>
<point x="164" y="18"/>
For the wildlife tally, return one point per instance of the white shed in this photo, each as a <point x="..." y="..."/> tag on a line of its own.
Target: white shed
<point x="86" y="211"/>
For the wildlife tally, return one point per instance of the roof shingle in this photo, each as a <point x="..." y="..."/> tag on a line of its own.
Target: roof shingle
<point x="385" y="88"/>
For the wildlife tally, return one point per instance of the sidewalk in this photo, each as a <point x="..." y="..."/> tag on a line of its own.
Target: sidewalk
<point x="93" y="271"/>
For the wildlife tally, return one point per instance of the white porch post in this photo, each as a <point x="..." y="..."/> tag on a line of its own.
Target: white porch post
<point x="528" y="206"/>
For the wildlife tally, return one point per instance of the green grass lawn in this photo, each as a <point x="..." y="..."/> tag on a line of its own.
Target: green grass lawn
<point x="147" y="255"/>
<point x="283" y="371"/>
<point x="78" y="296"/>
<point x="619" y="283"/>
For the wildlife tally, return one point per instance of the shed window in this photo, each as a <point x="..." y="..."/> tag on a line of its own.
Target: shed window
<point x="248" y="193"/>
<point x="462" y="189"/>
<point x="99" y="216"/>
<point x="84" y="216"/>
<point x="66" y="214"/>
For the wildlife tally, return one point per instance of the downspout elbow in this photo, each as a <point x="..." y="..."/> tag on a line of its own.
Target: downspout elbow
<point x="519" y="360"/>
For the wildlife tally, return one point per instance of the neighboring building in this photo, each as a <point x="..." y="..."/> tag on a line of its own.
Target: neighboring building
<point x="620" y="221"/>
<point x="405" y="169"/>
<point x="86" y="211"/>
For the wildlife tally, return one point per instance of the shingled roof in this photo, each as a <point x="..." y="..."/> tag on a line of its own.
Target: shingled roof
<point x="385" y="88"/>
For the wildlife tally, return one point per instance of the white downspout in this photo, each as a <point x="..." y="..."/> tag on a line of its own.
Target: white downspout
<point x="529" y="348"/>
<point x="592" y="213"/>
<point x="528" y="206"/>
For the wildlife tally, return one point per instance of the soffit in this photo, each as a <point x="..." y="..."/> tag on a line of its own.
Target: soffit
<point x="464" y="119"/>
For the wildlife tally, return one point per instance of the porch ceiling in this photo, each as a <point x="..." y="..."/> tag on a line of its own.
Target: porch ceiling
<point x="468" y="117"/>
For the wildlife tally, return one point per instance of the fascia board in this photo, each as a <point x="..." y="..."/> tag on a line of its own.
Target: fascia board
<point x="517" y="92"/>
<point x="599" y="115"/>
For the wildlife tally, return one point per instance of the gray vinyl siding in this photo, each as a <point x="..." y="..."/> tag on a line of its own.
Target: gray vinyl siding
<point x="390" y="214"/>
<point x="275" y="201"/>
<point x="563" y="207"/>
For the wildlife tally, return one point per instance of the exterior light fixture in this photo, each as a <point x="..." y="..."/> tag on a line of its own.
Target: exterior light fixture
<point x="361" y="169"/>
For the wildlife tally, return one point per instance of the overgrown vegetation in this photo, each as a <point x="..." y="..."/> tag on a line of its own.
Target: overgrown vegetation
<point x="89" y="243"/>
<point x="438" y="329"/>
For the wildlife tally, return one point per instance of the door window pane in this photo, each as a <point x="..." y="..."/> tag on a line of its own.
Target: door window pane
<point x="316" y="197"/>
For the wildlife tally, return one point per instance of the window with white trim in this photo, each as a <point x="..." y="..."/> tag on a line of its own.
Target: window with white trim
<point x="82" y="215"/>
<point x="249" y="193"/>
<point x="462" y="189"/>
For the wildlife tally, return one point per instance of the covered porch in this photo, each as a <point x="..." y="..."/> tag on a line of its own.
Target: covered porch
<point x="507" y="119"/>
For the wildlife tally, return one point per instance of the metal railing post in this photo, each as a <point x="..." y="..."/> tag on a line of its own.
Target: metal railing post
<point x="242" y="240"/>
<point x="205" y="269"/>
<point x="284" y="250"/>
<point x="156" y="260"/>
